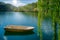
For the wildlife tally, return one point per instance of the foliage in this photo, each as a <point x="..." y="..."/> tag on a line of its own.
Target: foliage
<point x="28" y="7"/>
<point x="50" y="8"/>
<point x="8" y="7"/>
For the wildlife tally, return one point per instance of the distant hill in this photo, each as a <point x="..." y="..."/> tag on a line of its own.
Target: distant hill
<point x="6" y="7"/>
<point x="26" y="8"/>
<point x="29" y="7"/>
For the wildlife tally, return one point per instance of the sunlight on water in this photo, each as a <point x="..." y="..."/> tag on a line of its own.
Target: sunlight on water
<point x="18" y="16"/>
<point x="46" y="29"/>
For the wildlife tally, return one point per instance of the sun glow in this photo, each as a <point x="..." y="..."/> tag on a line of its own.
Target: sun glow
<point x="14" y="2"/>
<point x="17" y="3"/>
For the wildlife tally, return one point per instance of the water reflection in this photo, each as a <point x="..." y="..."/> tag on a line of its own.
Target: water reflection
<point x="27" y="19"/>
<point x="8" y="33"/>
<point x="47" y="30"/>
<point x="18" y="16"/>
<point x="5" y="38"/>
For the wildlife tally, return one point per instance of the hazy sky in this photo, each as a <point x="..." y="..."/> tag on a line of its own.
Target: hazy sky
<point x="18" y="2"/>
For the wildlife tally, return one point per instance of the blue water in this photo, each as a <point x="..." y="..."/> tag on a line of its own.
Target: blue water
<point x="47" y="29"/>
<point x="23" y="19"/>
<point x="17" y="18"/>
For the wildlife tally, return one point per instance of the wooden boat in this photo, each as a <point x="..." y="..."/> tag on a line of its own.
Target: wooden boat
<point x="13" y="28"/>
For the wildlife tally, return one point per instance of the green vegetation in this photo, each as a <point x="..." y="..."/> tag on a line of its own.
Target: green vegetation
<point x="50" y="8"/>
<point x="6" y="7"/>
<point x="39" y="19"/>
<point x="27" y="8"/>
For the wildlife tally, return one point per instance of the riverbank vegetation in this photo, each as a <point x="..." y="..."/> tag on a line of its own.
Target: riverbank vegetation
<point x="50" y="8"/>
<point x="27" y="8"/>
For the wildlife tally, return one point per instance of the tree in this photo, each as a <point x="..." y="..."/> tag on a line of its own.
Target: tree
<point x="50" y="8"/>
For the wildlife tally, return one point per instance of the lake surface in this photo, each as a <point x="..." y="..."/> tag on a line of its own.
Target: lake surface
<point x="24" y="19"/>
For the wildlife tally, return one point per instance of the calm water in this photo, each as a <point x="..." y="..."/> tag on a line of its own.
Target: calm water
<point x="23" y="19"/>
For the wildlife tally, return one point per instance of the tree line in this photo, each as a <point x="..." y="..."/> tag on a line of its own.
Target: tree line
<point x="9" y="7"/>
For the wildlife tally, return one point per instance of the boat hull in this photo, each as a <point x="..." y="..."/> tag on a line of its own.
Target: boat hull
<point x="18" y="28"/>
